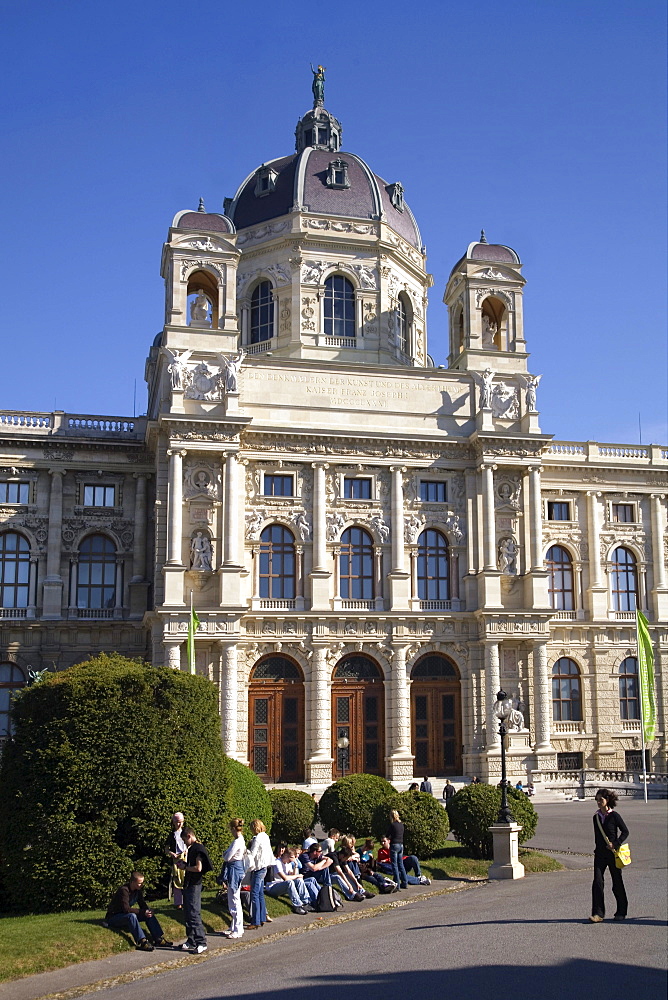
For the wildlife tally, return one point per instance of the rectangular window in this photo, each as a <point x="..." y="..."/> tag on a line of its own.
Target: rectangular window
<point x="433" y="491"/>
<point x="569" y="762"/>
<point x="633" y="760"/>
<point x="278" y="485"/>
<point x="14" y="492"/>
<point x="558" y="510"/>
<point x="623" y="513"/>
<point x="99" y="496"/>
<point x="357" y="489"/>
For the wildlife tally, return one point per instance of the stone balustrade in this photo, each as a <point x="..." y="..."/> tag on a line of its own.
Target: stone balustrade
<point x="63" y="424"/>
<point x="588" y="451"/>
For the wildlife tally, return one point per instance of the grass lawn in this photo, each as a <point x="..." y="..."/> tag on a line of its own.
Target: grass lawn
<point x="41" y="942"/>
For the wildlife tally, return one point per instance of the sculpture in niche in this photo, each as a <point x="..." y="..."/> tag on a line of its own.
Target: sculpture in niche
<point x="531" y="382"/>
<point x="201" y="553"/>
<point x="232" y="368"/>
<point x="318" y="86"/>
<point x="485" y="384"/>
<point x="452" y="524"/>
<point x="203" y="383"/>
<point x="254" y="522"/>
<point x="199" y="308"/>
<point x="335" y="523"/>
<point x="508" y="493"/>
<point x="508" y="552"/>
<point x="382" y="529"/>
<point x="412" y="527"/>
<point x="200" y="481"/>
<point x="504" y="402"/>
<point x="301" y="524"/>
<point x="489" y="329"/>
<point x="516" y="720"/>
<point x="177" y="367"/>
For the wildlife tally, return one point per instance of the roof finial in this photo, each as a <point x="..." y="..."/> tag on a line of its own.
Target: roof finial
<point x="201" y="205"/>
<point x="318" y="86"/>
<point x="483" y="238"/>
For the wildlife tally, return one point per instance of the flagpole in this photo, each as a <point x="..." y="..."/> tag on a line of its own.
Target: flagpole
<point x="642" y="707"/>
<point x="191" y="665"/>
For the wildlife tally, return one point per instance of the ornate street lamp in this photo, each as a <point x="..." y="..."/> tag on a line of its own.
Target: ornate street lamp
<point x="503" y="706"/>
<point x="343" y="743"/>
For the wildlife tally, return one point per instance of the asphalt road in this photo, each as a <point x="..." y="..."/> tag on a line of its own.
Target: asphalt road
<point x="529" y="938"/>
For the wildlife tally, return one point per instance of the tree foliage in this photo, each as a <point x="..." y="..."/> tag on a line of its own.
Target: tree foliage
<point x="426" y="824"/>
<point x="476" y="807"/>
<point x="293" y="812"/>
<point x="350" y="803"/>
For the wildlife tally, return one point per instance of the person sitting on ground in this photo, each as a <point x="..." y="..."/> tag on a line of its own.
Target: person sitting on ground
<point x="530" y="789"/>
<point x="320" y="866"/>
<point x="350" y="871"/>
<point x="329" y="843"/>
<point x="366" y="853"/>
<point x="425" y="786"/>
<point x="411" y="864"/>
<point x="290" y="882"/>
<point x="308" y="839"/>
<point x="340" y="879"/>
<point x="519" y="786"/>
<point x="128" y="907"/>
<point x="448" y="791"/>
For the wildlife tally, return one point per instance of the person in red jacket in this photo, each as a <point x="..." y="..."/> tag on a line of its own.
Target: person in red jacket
<point x="411" y="863"/>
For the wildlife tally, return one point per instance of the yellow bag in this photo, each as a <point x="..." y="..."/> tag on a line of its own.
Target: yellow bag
<point x="623" y="856"/>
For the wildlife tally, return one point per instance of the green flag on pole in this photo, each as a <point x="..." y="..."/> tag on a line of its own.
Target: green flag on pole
<point x="646" y="671"/>
<point x="193" y="625"/>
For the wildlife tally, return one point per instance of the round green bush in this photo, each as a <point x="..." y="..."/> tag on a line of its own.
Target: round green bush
<point x="103" y="753"/>
<point x="426" y="824"/>
<point x="293" y="812"/>
<point x="244" y="795"/>
<point x="349" y="804"/>
<point x="476" y="807"/>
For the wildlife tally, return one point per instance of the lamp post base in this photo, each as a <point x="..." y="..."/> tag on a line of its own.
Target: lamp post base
<point x="506" y="862"/>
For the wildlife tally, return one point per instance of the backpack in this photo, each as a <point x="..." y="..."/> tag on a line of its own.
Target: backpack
<point x="325" y="902"/>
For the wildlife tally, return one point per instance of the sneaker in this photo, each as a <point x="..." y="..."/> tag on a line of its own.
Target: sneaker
<point x="144" y="945"/>
<point x="199" y="949"/>
<point x="359" y="897"/>
<point x="299" y="909"/>
<point x="424" y="880"/>
<point x="595" y="919"/>
<point x="367" y="894"/>
<point x="186" y="946"/>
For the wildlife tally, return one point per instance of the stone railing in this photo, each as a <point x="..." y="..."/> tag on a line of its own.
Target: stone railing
<point x="61" y="424"/>
<point x="585" y="782"/>
<point x="581" y="452"/>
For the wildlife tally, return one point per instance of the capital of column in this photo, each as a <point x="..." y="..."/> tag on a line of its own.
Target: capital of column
<point x="319" y="465"/>
<point x="57" y="472"/>
<point x="177" y="451"/>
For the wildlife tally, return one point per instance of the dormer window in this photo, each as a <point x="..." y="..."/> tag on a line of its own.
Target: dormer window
<point x="397" y="196"/>
<point x="265" y="181"/>
<point x="337" y="174"/>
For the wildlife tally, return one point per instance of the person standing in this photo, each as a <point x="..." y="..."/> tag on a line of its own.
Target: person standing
<point x="448" y="792"/>
<point x="425" y="786"/>
<point x="234" y="862"/>
<point x="196" y="865"/>
<point x="395" y="835"/>
<point x="610" y="832"/>
<point x="175" y="849"/>
<point x="261" y="857"/>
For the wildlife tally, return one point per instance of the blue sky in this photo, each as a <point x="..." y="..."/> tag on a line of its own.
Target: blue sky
<point x="543" y="122"/>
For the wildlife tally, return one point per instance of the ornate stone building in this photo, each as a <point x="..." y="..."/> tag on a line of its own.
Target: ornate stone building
<point x="374" y="545"/>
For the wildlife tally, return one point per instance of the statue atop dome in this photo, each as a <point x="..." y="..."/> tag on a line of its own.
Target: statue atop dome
<point x="318" y="86"/>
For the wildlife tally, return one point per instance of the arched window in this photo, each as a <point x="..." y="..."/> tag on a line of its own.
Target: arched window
<point x="403" y="322"/>
<point x="357" y="668"/>
<point x="276" y="668"/>
<point x="566" y="698"/>
<point x="624" y="580"/>
<point x="202" y="296"/>
<point x="434" y="666"/>
<point x="96" y="574"/>
<point x="560" y="586"/>
<point x="277" y="563"/>
<point x="494" y="324"/>
<point x="356" y="565"/>
<point x="14" y="570"/>
<point x="262" y="313"/>
<point x="433" y="571"/>
<point x="11" y="679"/>
<point x="339" y="307"/>
<point x="629" y="702"/>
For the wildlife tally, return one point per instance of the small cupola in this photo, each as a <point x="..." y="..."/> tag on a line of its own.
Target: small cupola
<point x="318" y="129"/>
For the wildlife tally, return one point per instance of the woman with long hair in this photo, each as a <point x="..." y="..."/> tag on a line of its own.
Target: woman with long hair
<point x="234" y="862"/>
<point x="261" y="857"/>
<point x="396" y="837"/>
<point x="610" y="832"/>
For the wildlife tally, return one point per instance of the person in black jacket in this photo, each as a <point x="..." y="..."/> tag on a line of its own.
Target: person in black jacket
<point x="128" y="907"/>
<point x="610" y="831"/>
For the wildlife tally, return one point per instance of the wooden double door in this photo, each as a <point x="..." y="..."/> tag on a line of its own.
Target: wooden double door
<point x="358" y="710"/>
<point x="276" y="727"/>
<point x="437" y="740"/>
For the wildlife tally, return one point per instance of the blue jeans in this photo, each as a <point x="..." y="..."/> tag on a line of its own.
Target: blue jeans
<point x="339" y="884"/>
<point x="294" y="888"/>
<point x="192" y="912"/>
<point x="398" y="870"/>
<point x="258" y="907"/>
<point x="411" y="863"/>
<point x="130" y="922"/>
<point x="235" y="876"/>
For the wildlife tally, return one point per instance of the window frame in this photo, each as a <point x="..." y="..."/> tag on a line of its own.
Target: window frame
<point x="555" y="568"/>
<point x="107" y="587"/>
<point x="12" y="571"/>
<point x="404" y="323"/>
<point x="345" y="479"/>
<point x="433" y="482"/>
<point x="99" y="486"/>
<point x="356" y="586"/>
<point x="628" y="505"/>
<point x="621" y="596"/>
<point x="574" y="680"/>
<point x="275" y="582"/>
<point x="625" y="699"/>
<point x="9" y="685"/>
<point x="265" y="308"/>
<point x="433" y="587"/>
<point x="21" y="485"/>
<point x="279" y="474"/>
<point x="331" y="299"/>
<point x="551" y="504"/>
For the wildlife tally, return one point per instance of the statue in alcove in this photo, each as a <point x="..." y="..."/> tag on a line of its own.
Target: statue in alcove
<point x="489" y="331"/>
<point x="199" y="308"/>
<point x="201" y="553"/>
<point x="508" y="552"/>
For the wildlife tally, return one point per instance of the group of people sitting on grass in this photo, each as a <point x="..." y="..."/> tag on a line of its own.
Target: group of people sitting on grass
<point x="313" y="877"/>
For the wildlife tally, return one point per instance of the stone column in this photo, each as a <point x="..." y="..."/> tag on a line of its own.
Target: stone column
<point x="175" y="508"/>
<point x="231" y="517"/>
<point x="319" y="758"/>
<point x="118" y="597"/>
<point x="397" y="519"/>
<point x="492" y="687"/>
<point x="543" y="699"/>
<point x="74" y="584"/>
<point x="173" y="655"/>
<point x="488" y="521"/>
<point x="659" y="590"/>
<point x="139" y="546"/>
<point x="594" y="544"/>
<point x="399" y="758"/>
<point x="229" y="697"/>
<point x="32" y="588"/>
<point x="378" y="572"/>
<point x="53" y="584"/>
<point x="535" y="520"/>
<point x="319" y="519"/>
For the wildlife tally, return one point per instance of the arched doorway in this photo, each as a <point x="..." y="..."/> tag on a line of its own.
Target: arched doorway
<point x="276" y="720"/>
<point x="436" y="716"/>
<point x="358" y="712"/>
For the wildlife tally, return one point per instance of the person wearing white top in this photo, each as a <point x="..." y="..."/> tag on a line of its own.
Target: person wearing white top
<point x="290" y="882"/>
<point x="260" y="856"/>
<point x="234" y="861"/>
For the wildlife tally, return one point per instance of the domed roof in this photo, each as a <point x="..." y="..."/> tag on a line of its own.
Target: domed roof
<point x="491" y="251"/>
<point x="202" y="221"/>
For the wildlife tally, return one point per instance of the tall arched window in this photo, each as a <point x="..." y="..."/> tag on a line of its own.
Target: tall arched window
<point x="624" y="580"/>
<point x="96" y="574"/>
<point x="262" y="313"/>
<point x="14" y="570"/>
<point x="403" y="322"/>
<point x="356" y="565"/>
<point x="566" y="697"/>
<point x="629" y="701"/>
<point x="433" y="569"/>
<point x="339" y="307"/>
<point x="560" y="586"/>
<point x="277" y="563"/>
<point x="11" y="679"/>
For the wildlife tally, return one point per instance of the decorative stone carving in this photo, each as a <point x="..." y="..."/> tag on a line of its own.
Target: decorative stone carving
<point x="200" y="481"/>
<point x="199" y="310"/>
<point x="381" y="528"/>
<point x="367" y="276"/>
<point x="312" y="271"/>
<point x="201" y="553"/>
<point x="254" y="521"/>
<point x="335" y="523"/>
<point x="308" y="312"/>
<point x="302" y="525"/>
<point x="508" y="552"/>
<point x="255" y="235"/>
<point x="489" y="330"/>
<point x="490" y="273"/>
<point x="201" y="264"/>
<point x="232" y="367"/>
<point x="412" y="528"/>
<point x="507" y="490"/>
<point x="203" y="383"/>
<point x="452" y="525"/>
<point x="340" y="227"/>
<point x="279" y="273"/>
<point x="485" y="384"/>
<point x="284" y="316"/>
<point x="484" y="293"/>
<point x="505" y="402"/>
<point x="177" y="367"/>
<point x="531" y="382"/>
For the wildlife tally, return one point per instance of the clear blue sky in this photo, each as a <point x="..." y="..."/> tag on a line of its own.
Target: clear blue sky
<point x="541" y="121"/>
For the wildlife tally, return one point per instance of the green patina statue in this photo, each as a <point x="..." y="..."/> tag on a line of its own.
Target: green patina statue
<point x="318" y="86"/>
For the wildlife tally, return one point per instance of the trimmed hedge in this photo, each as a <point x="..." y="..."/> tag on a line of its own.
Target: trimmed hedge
<point x="293" y="812"/>
<point x="102" y="754"/>
<point x="476" y="807"/>
<point x="426" y="824"/>
<point x="350" y="803"/>
<point x="244" y="795"/>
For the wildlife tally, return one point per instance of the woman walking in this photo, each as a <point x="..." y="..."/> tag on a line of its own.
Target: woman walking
<point x="261" y="857"/>
<point x="610" y="831"/>
<point x="234" y="863"/>
<point x="396" y="837"/>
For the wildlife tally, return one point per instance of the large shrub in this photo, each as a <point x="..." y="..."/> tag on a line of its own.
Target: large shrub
<point x="102" y="754"/>
<point x="476" y="807"/>
<point x="244" y="795"/>
<point x="293" y="812"/>
<point x="349" y="804"/>
<point x="426" y="824"/>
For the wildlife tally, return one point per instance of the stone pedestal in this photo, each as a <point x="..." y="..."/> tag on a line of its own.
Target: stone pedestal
<point x="320" y="584"/>
<point x="399" y="590"/>
<point x="506" y="851"/>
